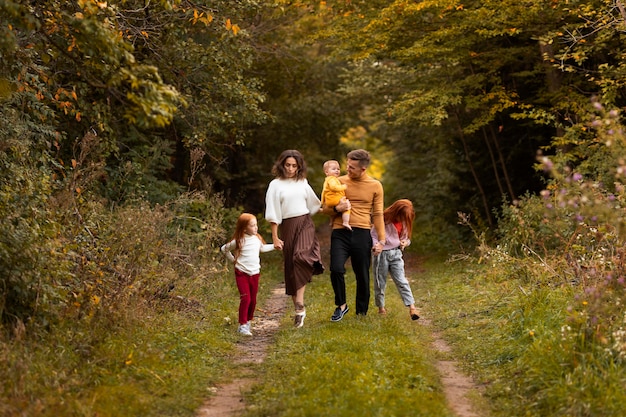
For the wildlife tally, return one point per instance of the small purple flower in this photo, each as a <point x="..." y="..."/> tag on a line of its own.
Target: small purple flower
<point x="611" y="197"/>
<point x="597" y="105"/>
<point x="579" y="218"/>
<point x="577" y="176"/>
<point x="547" y="164"/>
<point x="549" y="206"/>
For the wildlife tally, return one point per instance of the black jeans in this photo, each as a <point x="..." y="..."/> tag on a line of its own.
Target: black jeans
<point x="356" y="245"/>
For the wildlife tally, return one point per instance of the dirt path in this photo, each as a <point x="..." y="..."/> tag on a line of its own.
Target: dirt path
<point x="228" y="398"/>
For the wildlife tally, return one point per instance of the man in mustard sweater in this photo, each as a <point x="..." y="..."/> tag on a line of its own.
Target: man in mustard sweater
<point x="364" y="199"/>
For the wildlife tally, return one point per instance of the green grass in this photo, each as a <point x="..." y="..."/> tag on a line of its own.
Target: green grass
<point x="510" y="333"/>
<point x="373" y="365"/>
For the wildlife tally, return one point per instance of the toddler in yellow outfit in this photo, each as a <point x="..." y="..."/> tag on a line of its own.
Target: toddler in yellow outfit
<point x="334" y="191"/>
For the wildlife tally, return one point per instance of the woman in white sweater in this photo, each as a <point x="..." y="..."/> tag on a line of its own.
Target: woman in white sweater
<point x="289" y="204"/>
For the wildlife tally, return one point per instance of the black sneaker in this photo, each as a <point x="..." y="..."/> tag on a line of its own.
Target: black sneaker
<point x="339" y="313"/>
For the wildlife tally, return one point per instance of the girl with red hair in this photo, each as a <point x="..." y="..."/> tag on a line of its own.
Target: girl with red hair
<point x="243" y="250"/>
<point x="398" y="219"/>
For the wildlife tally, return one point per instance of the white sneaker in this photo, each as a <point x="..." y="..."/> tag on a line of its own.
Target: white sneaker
<point x="298" y="320"/>
<point x="244" y="329"/>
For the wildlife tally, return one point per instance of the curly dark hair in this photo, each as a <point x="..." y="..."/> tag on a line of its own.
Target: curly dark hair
<point x="278" y="170"/>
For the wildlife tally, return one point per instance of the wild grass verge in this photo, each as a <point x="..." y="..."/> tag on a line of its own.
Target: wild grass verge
<point x="518" y="339"/>
<point x="143" y="318"/>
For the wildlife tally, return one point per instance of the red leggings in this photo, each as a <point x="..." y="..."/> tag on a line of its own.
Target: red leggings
<point x="248" y="286"/>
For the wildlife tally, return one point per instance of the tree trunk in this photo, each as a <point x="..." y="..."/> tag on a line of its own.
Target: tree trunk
<point x="473" y="171"/>
<point x="494" y="164"/>
<point x="505" y="172"/>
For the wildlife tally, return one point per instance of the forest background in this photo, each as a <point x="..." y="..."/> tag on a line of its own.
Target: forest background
<point x="133" y="133"/>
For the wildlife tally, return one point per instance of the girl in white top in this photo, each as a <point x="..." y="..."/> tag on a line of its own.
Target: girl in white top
<point x="246" y="244"/>
<point x="289" y="204"/>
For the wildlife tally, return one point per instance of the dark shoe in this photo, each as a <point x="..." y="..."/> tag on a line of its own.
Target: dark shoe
<point x="339" y="313"/>
<point x="414" y="313"/>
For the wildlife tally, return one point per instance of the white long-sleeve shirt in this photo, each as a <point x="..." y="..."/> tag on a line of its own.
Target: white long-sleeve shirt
<point x="287" y="198"/>
<point x="248" y="260"/>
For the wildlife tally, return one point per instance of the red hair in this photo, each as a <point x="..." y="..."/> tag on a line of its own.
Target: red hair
<point x="240" y="232"/>
<point x="401" y="211"/>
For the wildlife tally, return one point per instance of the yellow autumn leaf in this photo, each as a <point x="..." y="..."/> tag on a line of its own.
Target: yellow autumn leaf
<point x="74" y="163"/>
<point x="236" y="29"/>
<point x="228" y="24"/>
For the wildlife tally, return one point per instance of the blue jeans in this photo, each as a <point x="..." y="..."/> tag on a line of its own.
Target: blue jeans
<point x="391" y="262"/>
<point x="356" y="245"/>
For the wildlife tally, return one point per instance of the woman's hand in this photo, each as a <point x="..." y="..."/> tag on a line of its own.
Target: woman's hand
<point x="278" y="244"/>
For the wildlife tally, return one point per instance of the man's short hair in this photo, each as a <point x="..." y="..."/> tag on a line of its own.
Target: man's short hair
<point x="360" y="155"/>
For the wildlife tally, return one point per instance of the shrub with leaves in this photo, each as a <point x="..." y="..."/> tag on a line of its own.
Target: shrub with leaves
<point x="31" y="264"/>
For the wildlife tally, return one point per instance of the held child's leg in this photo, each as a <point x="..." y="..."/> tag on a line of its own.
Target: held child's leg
<point x="345" y="219"/>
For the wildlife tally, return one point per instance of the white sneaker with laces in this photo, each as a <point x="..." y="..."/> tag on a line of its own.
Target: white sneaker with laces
<point x="244" y="329"/>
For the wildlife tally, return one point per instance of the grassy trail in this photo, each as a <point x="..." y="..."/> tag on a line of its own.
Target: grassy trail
<point x="373" y="365"/>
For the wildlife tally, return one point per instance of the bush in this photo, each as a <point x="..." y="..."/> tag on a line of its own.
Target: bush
<point x="30" y="265"/>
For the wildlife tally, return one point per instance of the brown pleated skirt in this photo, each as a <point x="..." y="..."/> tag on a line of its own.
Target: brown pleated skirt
<point x="301" y="252"/>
